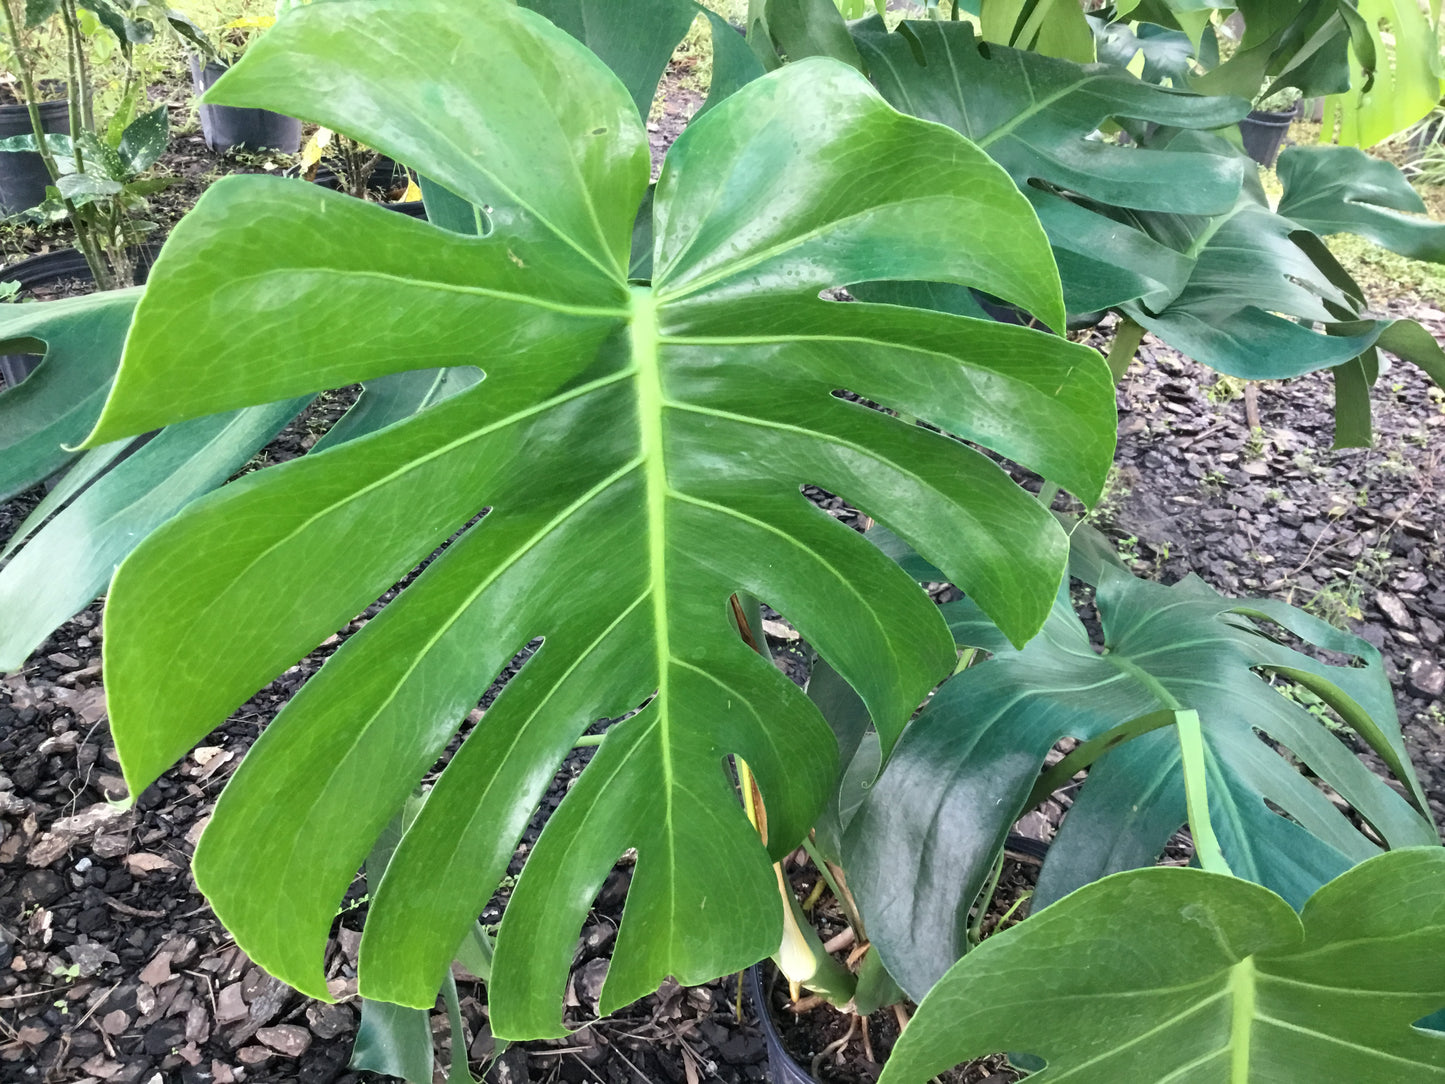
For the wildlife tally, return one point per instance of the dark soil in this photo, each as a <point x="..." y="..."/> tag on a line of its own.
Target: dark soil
<point x="49" y="90"/>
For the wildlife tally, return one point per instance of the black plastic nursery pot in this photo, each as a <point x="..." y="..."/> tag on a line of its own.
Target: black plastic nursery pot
<point x="782" y="1069"/>
<point x="23" y="176"/>
<point x="39" y="271"/>
<point x="1263" y="132"/>
<point x="227" y="127"/>
<point x="1424" y="136"/>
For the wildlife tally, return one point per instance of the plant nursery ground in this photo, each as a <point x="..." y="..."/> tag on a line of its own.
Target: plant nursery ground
<point x="113" y="969"/>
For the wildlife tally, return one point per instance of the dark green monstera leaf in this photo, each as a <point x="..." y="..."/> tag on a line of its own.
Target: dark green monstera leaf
<point x="1304" y="44"/>
<point x="1035" y="116"/>
<point x="1178" y="664"/>
<point x="634" y="454"/>
<point x="1165" y="53"/>
<point x="1267" y="301"/>
<point x="637" y="38"/>
<point x="55" y="406"/>
<point x="1343" y="190"/>
<point x="1183" y="975"/>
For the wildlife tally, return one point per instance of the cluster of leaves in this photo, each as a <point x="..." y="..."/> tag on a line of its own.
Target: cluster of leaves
<point x="623" y="386"/>
<point x="94" y="172"/>
<point x="728" y="346"/>
<point x="99" y="168"/>
<point x="1175" y="231"/>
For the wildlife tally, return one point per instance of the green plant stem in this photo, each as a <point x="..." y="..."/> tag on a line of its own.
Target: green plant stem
<point x="25" y="66"/>
<point x="845" y="900"/>
<point x="588" y="740"/>
<point x="83" y="94"/>
<point x="105" y="254"/>
<point x="459" y="1072"/>
<point x="1023" y="899"/>
<point x="1127" y="337"/>
<point x="70" y="19"/>
<point x="1047" y="494"/>
<point x="975" y="928"/>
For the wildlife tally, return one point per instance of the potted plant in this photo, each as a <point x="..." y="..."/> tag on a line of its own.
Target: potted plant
<point x="23" y="175"/>
<point x="1267" y="124"/>
<point x="335" y="161"/>
<point x="644" y="421"/>
<point x="39" y="55"/>
<point x="227" y="128"/>
<point x="98" y="182"/>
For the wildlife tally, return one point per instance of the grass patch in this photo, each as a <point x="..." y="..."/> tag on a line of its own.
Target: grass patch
<point x="1384" y="275"/>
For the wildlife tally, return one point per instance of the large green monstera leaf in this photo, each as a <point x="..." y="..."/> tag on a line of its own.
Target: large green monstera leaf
<point x="634" y="455"/>
<point x="1037" y="116"/>
<point x="1181" y="691"/>
<point x="106" y="501"/>
<point x="1181" y="975"/>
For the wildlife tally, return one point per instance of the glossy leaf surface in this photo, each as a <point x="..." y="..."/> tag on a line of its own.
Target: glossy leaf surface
<point x="394" y="398"/>
<point x="56" y="405"/>
<point x="923" y="841"/>
<point x="1182" y="975"/>
<point x="393" y="1040"/>
<point x="638" y="452"/>
<point x="1034" y="115"/>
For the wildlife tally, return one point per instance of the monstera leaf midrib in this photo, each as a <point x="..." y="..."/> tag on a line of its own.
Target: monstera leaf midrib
<point x="640" y="462"/>
<point x="970" y="764"/>
<point x="1330" y="994"/>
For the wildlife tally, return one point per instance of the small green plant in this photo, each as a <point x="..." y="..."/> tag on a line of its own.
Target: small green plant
<point x="1254" y="446"/>
<point x="1280" y="101"/>
<point x="102" y="189"/>
<point x="98" y="170"/>
<point x="1225" y="389"/>
<point x="1395" y="463"/>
